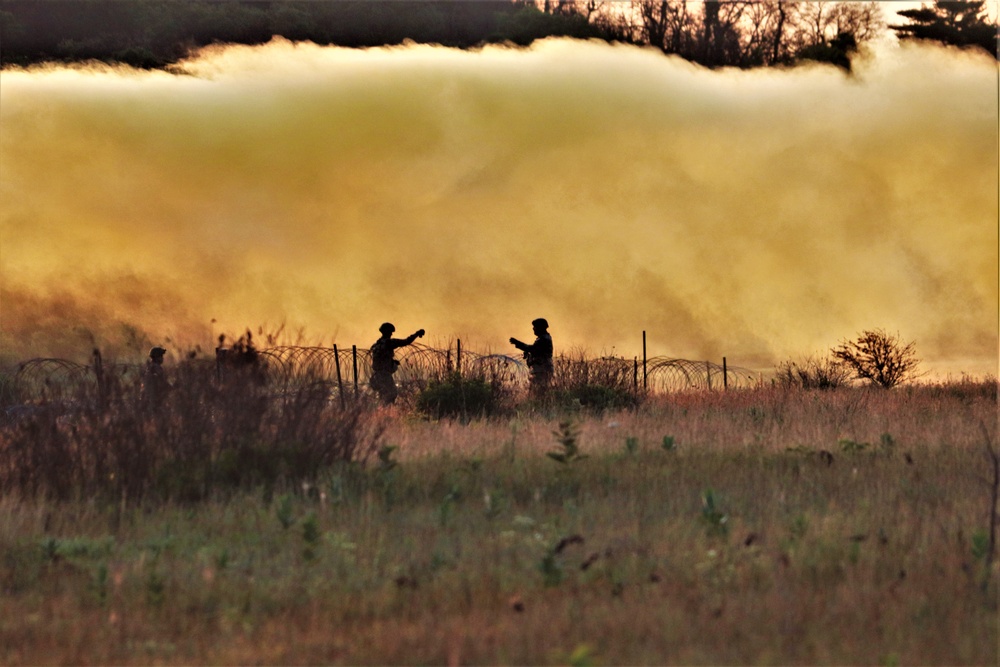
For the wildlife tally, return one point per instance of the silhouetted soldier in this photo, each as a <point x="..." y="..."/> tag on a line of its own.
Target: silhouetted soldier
<point x="384" y="362"/>
<point x="154" y="379"/>
<point x="538" y="355"/>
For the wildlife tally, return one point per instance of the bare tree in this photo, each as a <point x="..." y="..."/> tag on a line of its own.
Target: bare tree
<point x="741" y="33"/>
<point x="765" y="29"/>
<point x="720" y="39"/>
<point x="665" y="24"/>
<point x="862" y="20"/>
<point x="881" y="358"/>
<point x="822" y="22"/>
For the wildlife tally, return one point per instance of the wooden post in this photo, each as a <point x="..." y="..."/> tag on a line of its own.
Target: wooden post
<point x="708" y="374"/>
<point x="340" y="382"/>
<point x="102" y="389"/>
<point x="635" y="373"/>
<point x="354" y="361"/>
<point x="645" y="381"/>
<point x="458" y="356"/>
<point x="725" y="375"/>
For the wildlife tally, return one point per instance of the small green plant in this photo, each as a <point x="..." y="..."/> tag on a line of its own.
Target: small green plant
<point x="566" y="436"/>
<point x="631" y="445"/>
<point x="101" y="583"/>
<point x="798" y="527"/>
<point x="311" y="536"/>
<point x="385" y="460"/>
<point x="283" y="510"/>
<point x="552" y="571"/>
<point x="716" y="521"/>
<point x="668" y="444"/>
<point x="849" y="446"/>
<point x="980" y="544"/>
<point x="156" y="587"/>
<point x="582" y="656"/>
<point x="447" y="505"/>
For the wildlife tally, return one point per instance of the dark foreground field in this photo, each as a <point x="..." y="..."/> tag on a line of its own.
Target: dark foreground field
<point x="759" y="526"/>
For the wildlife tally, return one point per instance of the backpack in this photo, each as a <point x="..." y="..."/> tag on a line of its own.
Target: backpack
<point x="382" y="361"/>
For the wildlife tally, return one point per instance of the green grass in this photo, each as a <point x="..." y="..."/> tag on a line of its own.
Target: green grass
<point x="742" y="543"/>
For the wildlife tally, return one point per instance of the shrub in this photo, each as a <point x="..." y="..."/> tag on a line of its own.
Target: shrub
<point x="881" y="358"/>
<point x="813" y="373"/>
<point x="594" y="384"/>
<point x="597" y="397"/>
<point x="458" y="396"/>
<point x="210" y="433"/>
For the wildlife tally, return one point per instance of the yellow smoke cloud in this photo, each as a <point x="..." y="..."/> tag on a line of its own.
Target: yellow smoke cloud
<point x="761" y="215"/>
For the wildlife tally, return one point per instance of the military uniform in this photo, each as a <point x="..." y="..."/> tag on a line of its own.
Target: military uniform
<point x="154" y="379"/>
<point x="538" y="355"/>
<point x="384" y="363"/>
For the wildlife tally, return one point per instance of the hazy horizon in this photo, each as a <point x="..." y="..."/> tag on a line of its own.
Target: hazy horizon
<point x="759" y="215"/>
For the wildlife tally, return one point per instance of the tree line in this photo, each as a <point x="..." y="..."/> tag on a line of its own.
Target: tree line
<point x="755" y="33"/>
<point x="732" y="33"/>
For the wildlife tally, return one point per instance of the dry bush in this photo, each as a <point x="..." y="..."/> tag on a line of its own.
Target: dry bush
<point x="881" y="358"/>
<point x="812" y="373"/>
<point x="213" y="431"/>
<point x="596" y="384"/>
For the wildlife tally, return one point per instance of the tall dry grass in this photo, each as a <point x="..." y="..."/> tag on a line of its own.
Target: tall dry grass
<point x="215" y="429"/>
<point x="763" y="526"/>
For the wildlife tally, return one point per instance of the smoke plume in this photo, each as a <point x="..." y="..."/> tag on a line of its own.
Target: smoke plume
<point x="761" y="215"/>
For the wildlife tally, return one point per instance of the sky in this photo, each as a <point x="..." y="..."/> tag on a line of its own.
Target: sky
<point x="760" y="215"/>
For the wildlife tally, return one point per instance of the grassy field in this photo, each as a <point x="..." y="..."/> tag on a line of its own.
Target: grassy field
<point x="758" y="526"/>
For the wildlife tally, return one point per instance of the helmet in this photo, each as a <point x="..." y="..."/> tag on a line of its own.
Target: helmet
<point x="540" y="322"/>
<point x="156" y="352"/>
<point x="386" y="328"/>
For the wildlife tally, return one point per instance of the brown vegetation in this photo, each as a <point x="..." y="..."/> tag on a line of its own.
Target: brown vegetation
<point x="764" y="525"/>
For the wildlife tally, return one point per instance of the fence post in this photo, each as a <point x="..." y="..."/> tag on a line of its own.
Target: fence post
<point x="340" y="382"/>
<point x="458" y="355"/>
<point x="102" y="389"/>
<point x="635" y="373"/>
<point x="354" y="360"/>
<point x="645" y="382"/>
<point x="708" y="374"/>
<point x="725" y="375"/>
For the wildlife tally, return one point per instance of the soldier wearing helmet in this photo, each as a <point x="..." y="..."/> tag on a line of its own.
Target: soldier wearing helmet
<point x="538" y="355"/>
<point x="154" y="379"/>
<point x="384" y="362"/>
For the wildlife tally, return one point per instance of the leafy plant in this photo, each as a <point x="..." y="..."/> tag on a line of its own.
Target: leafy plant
<point x="582" y="656"/>
<point x="980" y="544"/>
<point x="552" y="571"/>
<point x="283" y="510"/>
<point x="716" y="521"/>
<point x="668" y="443"/>
<point x="849" y="446"/>
<point x="385" y="460"/>
<point x="448" y="504"/>
<point x="311" y="536"/>
<point x="458" y="396"/>
<point x="566" y="436"/>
